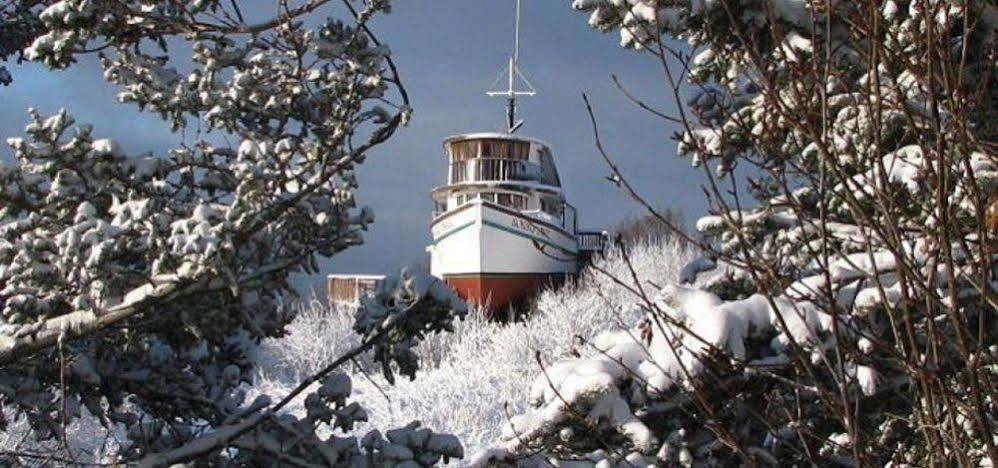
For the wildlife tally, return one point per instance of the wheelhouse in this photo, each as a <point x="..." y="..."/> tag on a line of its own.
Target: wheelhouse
<point x="513" y="172"/>
<point x="499" y="158"/>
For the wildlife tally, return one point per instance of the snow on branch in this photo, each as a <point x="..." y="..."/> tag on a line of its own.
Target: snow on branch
<point x="163" y="271"/>
<point x="403" y="310"/>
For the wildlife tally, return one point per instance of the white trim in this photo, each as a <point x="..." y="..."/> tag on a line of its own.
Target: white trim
<point x="501" y="136"/>
<point x="497" y="184"/>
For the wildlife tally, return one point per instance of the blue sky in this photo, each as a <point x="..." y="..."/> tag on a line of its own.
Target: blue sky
<point x="449" y="52"/>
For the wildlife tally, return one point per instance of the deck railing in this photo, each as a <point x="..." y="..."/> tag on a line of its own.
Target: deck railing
<point x="494" y="169"/>
<point x="592" y="241"/>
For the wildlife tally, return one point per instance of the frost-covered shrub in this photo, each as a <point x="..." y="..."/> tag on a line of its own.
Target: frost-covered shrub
<point x="840" y="319"/>
<point x="472" y="380"/>
<point x="315" y="337"/>
<point x="134" y="287"/>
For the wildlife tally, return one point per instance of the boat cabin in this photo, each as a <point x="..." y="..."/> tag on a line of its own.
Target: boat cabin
<point x="514" y="172"/>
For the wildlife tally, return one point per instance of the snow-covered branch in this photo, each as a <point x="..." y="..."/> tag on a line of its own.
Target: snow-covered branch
<point x="846" y="288"/>
<point x="155" y="275"/>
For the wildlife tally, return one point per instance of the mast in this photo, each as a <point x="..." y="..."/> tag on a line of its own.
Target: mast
<point x="512" y="72"/>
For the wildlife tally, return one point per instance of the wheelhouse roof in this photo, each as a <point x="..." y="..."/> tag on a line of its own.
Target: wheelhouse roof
<point x="493" y="135"/>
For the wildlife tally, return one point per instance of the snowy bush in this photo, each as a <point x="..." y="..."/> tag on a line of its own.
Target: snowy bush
<point x="472" y="379"/>
<point x="847" y="318"/>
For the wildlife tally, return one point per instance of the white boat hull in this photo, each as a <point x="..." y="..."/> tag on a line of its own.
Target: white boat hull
<point x="493" y="255"/>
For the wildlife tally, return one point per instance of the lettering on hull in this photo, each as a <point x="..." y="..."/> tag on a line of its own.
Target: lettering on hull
<point x="525" y="225"/>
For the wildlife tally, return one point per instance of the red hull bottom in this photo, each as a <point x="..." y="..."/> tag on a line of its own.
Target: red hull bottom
<point x="498" y="291"/>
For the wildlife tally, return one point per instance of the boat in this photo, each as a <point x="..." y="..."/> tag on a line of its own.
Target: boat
<point x="502" y="228"/>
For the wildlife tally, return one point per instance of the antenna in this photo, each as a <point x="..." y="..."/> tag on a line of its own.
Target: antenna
<point x="512" y="72"/>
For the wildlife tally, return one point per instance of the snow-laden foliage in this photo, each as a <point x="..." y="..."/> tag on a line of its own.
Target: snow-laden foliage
<point x="655" y="367"/>
<point x="136" y="285"/>
<point x="471" y="380"/>
<point x="403" y="311"/>
<point x="849" y="317"/>
<point x="18" y="27"/>
<point x="319" y="424"/>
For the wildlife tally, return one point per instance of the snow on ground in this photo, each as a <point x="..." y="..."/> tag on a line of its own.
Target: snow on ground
<point x="472" y="379"/>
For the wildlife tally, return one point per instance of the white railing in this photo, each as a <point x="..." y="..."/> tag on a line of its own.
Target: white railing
<point x="494" y="170"/>
<point x="593" y="241"/>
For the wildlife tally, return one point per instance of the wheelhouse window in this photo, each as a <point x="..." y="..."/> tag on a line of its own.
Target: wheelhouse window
<point x="509" y="200"/>
<point x="549" y="174"/>
<point x="463" y="150"/>
<point x="494" y="159"/>
<point x="505" y="149"/>
<point x="552" y="206"/>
